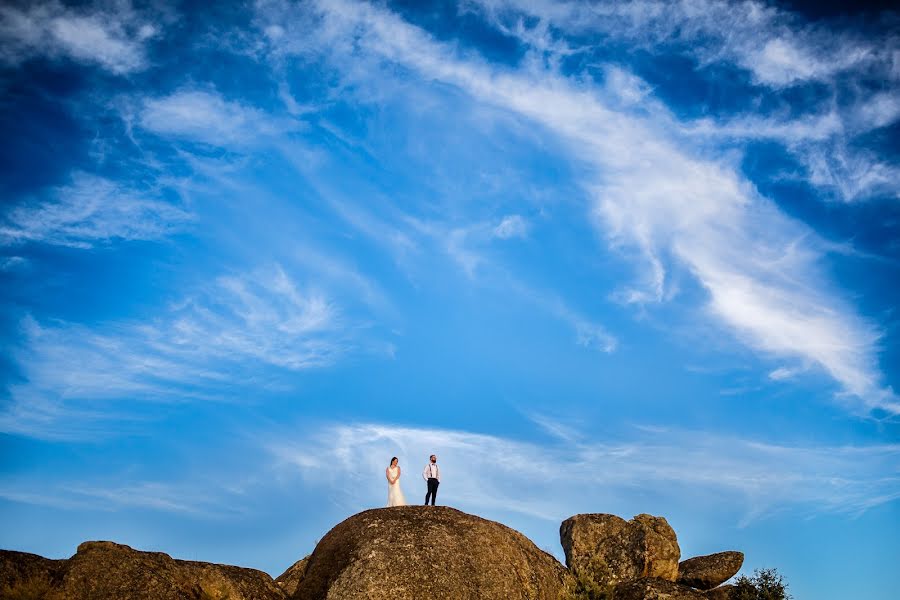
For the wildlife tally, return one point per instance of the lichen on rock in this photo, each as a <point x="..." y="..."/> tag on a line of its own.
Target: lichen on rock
<point x="706" y="572"/>
<point x="613" y="550"/>
<point x="110" y="571"/>
<point x="652" y="588"/>
<point x="415" y="552"/>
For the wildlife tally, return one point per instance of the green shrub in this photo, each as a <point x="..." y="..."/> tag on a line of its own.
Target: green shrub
<point x="588" y="581"/>
<point x="766" y="584"/>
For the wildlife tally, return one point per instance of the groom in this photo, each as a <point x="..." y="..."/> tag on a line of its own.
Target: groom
<point x="432" y="474"/>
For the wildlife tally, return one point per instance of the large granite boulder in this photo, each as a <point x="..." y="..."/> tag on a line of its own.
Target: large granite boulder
<point x="105" y="570"/>
<point x="416" y="552"/>
<point x="109" y="571"/>
<point x="608" y="549"/>
<point x="706" y="572"/>
<point x="290" y="579"/>
<point x="655" y="589"/>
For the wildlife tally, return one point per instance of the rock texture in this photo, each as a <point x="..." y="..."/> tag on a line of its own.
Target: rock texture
<point x="609" y="549"/>
<point x="706" y="572"/>
<point x="416" y="552"/>
<point x="109" y="571"/>
<point x="656" y="589"/>
<point x="101" y="570"/>
<point x="290" y="579"/>
<point x="22" y="566"/>
<point x="723" y="592"/>
<point x="402" y="553"/>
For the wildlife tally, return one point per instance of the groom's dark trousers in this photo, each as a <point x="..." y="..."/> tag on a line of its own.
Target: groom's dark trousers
<point x="432" y="490"/>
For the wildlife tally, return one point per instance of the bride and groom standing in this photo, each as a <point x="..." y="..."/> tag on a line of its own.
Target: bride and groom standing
<point x="431" y="474"/>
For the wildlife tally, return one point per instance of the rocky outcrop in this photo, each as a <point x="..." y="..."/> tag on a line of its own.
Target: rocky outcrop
<point x="17" y="567"/>
<point x="109" y="571"/>
<point x="290" y="579"/>
<point x="611" y="550"/>
<point x="706" y="572"/>
<point x="656" y="589"/>
<point x="402" y="553"/>
<point x="416" y="552"/>
<point x="723" y="592"/>
<point x="24" y="575"/>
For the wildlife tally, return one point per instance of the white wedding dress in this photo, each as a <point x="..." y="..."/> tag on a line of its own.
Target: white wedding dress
<point x="395" y="494"/>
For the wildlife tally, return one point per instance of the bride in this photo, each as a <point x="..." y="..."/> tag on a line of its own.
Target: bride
<point x="395" y="494"/>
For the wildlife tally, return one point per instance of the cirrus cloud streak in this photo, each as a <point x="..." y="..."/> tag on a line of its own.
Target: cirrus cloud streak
<point x="666" y="204"/>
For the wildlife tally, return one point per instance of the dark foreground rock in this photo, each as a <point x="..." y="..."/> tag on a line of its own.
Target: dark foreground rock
<point x="706" y="572"/>
<point x="608" y="549"/>
<point x="109" y="571"/>
<point x="656" y="589"/>
<point x="417" y="552"/>
<point x="723" y="592"/>
<point x="22" y="566"/>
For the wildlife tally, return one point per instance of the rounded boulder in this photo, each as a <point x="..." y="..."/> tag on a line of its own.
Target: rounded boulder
<point x="608" y="549"/>
<point x="110" y="571"/>
<point x="706" y="572"/>
<point x="415" y="552"/>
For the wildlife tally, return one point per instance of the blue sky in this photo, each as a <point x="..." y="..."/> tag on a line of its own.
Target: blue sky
<point x="621" y="257"/>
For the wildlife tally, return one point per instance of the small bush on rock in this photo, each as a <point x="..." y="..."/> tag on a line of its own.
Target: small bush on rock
<point x="766" y="584"/>
<point x="587" y="580"/>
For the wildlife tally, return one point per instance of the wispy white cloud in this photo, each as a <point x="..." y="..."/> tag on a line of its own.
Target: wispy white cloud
<point x="589" y="333"/>
<point x="739" y="478"/>
<point x="786" y="319"/>
<point x="459" y="247"/>
<point x="557" y="428"/>
<point x="851" y="174"/>
<point x="511" y="226"/>
<point x="342" y="275"/>
<point x="824" y="144"/>
<point x="204" y="500"/>
<point x="82" y="382"/>
<point x="781" y="61"/>
<point x="782" y="373"/>
<point x="469" y="248"/>
<point x="205" y="116"/>
<point x="265" y="316"/>
<point x="668" y="202"/>
<point x="467" y="245"/>
<point x="111" y="35"/>
<point x="13" y="263"/>
<point x="875" y="110"/>
<point x="776" y="46"/>
<point x="487" y="473"/>
<point x="90" y="211"/>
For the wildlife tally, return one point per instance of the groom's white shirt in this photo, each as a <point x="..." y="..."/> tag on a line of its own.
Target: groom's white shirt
<point x="431" y="471"/>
